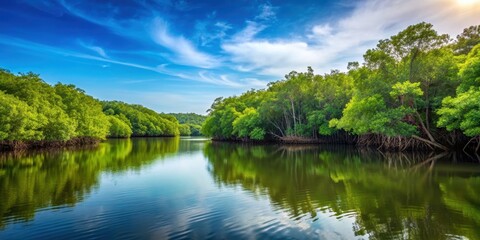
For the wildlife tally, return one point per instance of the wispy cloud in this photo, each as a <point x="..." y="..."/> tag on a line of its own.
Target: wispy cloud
<point x="248" y="52"/>
<point x="95" y="49"/>
<point x="321" y="30"/>
<point x="248" y="33"/>
<point x="148" y="26"/>
<point x="273" y="58"/>
<point x="187" y="101"/>
<point x="208" y="31"/>
<point x="329" y="45"/>
<point x="184" y="50"/>
<point x="212" y="78"/>
<point x="200" y="76"/>
<point x="267" y="12"/>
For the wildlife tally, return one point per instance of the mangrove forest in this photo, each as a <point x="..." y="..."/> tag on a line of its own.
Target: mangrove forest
<point x="35" y="114"/>
<point x="418" y="89"/>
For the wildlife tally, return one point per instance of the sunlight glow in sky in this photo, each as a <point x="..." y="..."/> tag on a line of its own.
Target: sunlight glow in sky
<point x="179" y="55"/>
<point x="468" y="2"/>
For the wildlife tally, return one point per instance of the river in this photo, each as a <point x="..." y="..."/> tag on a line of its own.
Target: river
<point x="161" y="188"/>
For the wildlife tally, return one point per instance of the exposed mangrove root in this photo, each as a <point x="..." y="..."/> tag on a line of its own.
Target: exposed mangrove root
<point x="432" y="143"/>
<point x="380" y="142"/>
<point x="23" y="145"/>
<point x="473" y="140"/>
<point x="398" y="143"/>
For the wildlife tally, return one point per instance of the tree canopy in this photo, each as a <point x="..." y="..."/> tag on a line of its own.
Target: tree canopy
<point x="32" y="110"/>
<point x="418" y="87"/>
<point x="190" y="123"/>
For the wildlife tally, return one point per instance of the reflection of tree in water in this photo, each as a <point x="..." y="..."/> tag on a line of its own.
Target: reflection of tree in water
<point x="33" y="180"/>
<point x="390" y="195"/>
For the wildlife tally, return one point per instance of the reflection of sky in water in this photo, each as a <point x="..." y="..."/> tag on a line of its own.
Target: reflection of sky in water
<point x="188" y="195"/>
<point x="171" y="198"/>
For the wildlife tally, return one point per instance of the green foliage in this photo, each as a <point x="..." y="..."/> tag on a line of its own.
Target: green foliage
<point x="34" y="110"/>
<point x="184" y="130"/>
<point x="397" y="91"/>
<point x="371" y="116"/>
<point x="470" y="71"/>
<point x="405" y="89"/>
<point x="223" y="113"/>
<point x="53" y="123"/>
<point x="257" y="134"/>
<point x="192" y="120"/>
<point x="195" y="130"/>
<point x="17" y="121"/>
<point x="85" y="111"/>
<point x="189" y="118"/>
<point x="468" y="39"/>
<point x="463" y="111"/>
<point x="248" y="125"/>
<point x="118" y="127"/>
<point x="143" y="121"/>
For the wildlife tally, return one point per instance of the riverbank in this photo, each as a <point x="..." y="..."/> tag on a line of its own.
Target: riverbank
<point x="74" y="142"/>
<point x="45" y="144"/>
<point x="384" y="143"/>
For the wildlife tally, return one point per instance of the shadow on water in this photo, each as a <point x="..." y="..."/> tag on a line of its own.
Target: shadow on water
<point x="30" y="181"/>
<point x="390" y="196"/>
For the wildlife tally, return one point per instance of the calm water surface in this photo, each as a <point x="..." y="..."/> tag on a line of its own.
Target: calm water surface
<point x="191" y="188"/>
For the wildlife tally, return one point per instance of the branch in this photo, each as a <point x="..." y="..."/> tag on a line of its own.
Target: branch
<point x="424" y="128"/>
<point x="430" y="142"/>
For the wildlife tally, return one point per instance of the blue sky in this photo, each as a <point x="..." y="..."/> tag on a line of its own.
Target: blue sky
<point x="179" y="55"/>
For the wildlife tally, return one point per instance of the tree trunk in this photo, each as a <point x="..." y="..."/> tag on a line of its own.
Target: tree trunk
<point x="433" y="143"/>
<point x="424" y="128"/>
<point x="427" y="107"/>
<point x="294" y="120"/>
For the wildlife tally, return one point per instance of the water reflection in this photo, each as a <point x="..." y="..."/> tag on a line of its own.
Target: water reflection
<point x="51" y="179"/>
<point x="391" y="196"/>
<point x="233" y="191"/>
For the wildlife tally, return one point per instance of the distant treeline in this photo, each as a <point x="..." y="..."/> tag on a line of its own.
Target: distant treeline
<point x="190" y="123"/>
<point x="36" y="114"/>
<point x="417" y="89"/>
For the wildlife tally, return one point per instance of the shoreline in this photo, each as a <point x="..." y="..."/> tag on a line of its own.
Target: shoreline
<point x="19" y="145"/>
<point x="354" y="142"/>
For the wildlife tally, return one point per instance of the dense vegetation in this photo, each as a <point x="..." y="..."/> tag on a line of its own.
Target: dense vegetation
<point x="417" y="89"/>
<point x="35" y="114"/>
<point x="140" y="120"/>
<point x="190" y="123"/>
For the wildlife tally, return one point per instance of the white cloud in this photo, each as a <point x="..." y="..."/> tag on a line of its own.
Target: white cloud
<point x="99" y="51"/>
<point x="212" y="78"/>
<point x="321" y="30"/>
<point x="267" y="12"/>
<point x="95" y="49"/>
<point x="324" y="45"/>
<point x="249" y="32"/>
<point x="202" y="76"/>
<point x="254" y="82"/>
<point x="208" y="31"/>
<point x="274" y="58"/>
<point x="330" y="45"/>
<point x="186" y="54"/>
<point x="190" y="100"/>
